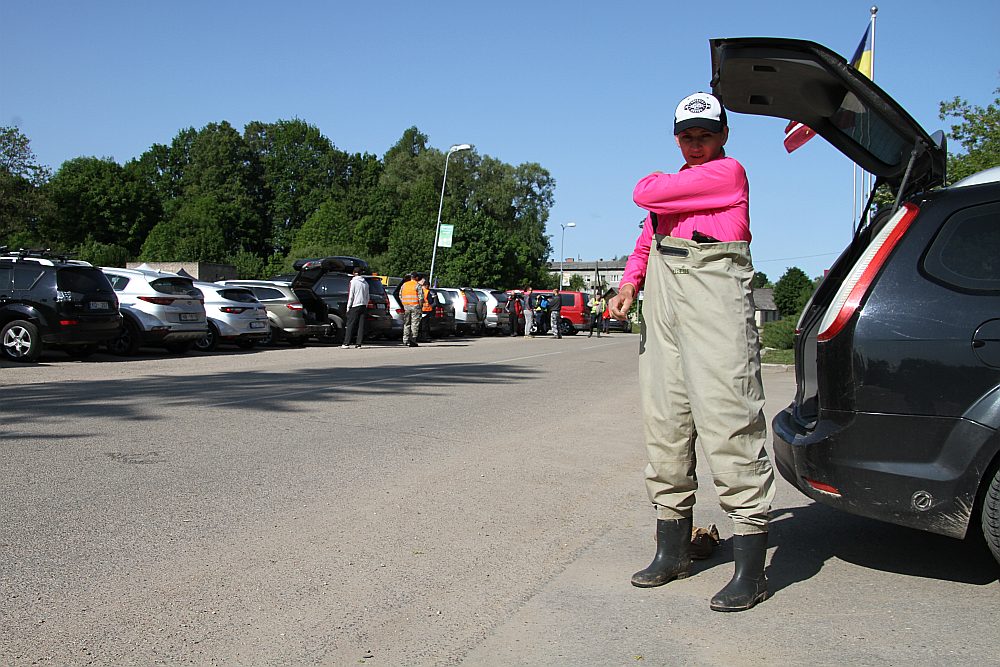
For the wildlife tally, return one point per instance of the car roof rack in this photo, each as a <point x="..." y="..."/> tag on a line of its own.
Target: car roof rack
<point x="39" y="253"/>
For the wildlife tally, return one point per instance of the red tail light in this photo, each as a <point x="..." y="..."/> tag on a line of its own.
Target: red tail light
<point x="293" y="306"/>
<point x="400" y="311"/>
<point x="232" y="310"/>
<point x="856" y="285"/>
<point x="820" y="486"/>
<point x="497" y="310"/>
<point x="68" y="323"/>
<point x="158" y="300"/>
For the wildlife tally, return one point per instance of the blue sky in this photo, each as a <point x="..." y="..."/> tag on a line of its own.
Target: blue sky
<point x="587" y="90"/>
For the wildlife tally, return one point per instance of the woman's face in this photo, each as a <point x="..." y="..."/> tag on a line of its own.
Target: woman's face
<point x="699" y="146"/>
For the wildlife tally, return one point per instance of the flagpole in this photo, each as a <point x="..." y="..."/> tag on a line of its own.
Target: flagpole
<point x="870" y="180"/>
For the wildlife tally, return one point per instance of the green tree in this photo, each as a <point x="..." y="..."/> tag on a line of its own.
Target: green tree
<point x="576" y="283"/>
<point x="97" y="199"/>
<point x="212" y="171"/>
<point x="22" y="203"/>
<point x="792" y="291"/>
<point x="978" y="132"/>
<point x="328" y="231"/>
<point x="760" y="280"/>
<point x="192" y="233"/>
<point x="300" y="169"/>
<point x="102" y="254"/>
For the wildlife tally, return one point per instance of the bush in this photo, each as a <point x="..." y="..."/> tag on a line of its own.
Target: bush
<point x="101" y="254"/>
<point x="780" y="334"/>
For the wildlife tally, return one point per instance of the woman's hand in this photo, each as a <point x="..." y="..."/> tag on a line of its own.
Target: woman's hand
<point x="620" y="304"/>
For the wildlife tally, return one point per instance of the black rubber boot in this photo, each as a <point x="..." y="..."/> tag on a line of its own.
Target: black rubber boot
<point x="748" y="585"/>
<point x="673" y="554"/>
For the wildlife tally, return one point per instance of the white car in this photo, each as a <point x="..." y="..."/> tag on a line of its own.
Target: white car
<point x="158" y="308"/>
<point x="234" y="315"/>
<point x="492" y="306"/>
<point x="466" y="302"/>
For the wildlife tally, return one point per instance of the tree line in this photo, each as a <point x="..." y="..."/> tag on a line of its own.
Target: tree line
<point x="278" y="192"/>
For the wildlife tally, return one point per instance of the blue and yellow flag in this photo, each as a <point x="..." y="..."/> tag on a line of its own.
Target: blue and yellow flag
<point x="862" y="60"/>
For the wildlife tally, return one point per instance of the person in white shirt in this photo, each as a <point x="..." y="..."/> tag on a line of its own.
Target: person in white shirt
<point x="357" y="303"/>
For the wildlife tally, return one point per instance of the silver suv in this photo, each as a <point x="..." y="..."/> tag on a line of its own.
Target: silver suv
<point x="159" y="309"/>
<point x="290" y="320"/>
<point x="492" y="310"/>
<point x="466" y="302"/>
<point x="234" y="315"/>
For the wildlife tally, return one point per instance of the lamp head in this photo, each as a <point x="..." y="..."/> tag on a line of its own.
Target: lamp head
<point x="459" y="147"/>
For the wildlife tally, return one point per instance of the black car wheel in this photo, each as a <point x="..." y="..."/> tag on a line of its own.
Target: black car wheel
<point x="127" y="342"/>
<point x="209" y="341"/>
<point x="20" y="341"/>
<point x="566" y="328"/>
<point x="991" y="516"/>
<point x="272" y="337"/>
<point x="333" y="335"/>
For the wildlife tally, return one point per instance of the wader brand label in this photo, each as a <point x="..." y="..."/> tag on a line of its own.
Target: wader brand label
<point x="679" y="270"/>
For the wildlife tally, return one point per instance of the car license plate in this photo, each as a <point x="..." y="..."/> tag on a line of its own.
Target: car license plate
<point x="98" y="305"/>
<point x="256" y="325"/>
<point x="189" y="317"/>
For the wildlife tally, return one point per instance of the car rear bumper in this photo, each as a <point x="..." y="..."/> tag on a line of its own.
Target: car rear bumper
<point x="87" y="330"/>
<point x="865" y="464"/>
<point x="306" y="330"/>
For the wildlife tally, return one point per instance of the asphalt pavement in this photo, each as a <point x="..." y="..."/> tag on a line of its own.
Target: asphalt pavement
<point x="474" y="501"/>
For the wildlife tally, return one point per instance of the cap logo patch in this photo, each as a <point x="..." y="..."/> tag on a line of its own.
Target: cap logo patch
<point x="696" y="106"/>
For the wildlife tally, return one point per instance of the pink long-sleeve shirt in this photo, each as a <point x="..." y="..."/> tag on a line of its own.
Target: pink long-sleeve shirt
<point x="712" y="198"/>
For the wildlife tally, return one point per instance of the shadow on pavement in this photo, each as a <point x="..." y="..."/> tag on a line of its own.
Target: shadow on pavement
<point x="141" y="398"/>
<point x="805" y="538"/>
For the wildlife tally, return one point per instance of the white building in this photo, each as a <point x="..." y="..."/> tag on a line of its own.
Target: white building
<point x="610" y="272"/>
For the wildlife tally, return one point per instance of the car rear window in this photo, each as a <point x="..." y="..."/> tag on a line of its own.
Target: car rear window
<point x="332" y="284"/>
<point x="242" y="295"/>
<point x="83" y="280"/>
<point x="268" y="293"/>
<point x="375" y="285"/>
<point x="174" y="286"/>
<point x="867" y="128"/>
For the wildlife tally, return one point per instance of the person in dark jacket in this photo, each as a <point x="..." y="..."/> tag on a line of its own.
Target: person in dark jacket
<point x="513" y="308"/>
<point x="555" y="312"/>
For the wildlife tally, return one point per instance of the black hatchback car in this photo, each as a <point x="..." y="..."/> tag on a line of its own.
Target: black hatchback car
<point x="51" y="301"/>
<point x="323" y="284"/>
<point x="897" y="354"/>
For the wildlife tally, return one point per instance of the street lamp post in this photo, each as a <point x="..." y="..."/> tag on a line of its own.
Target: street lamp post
<point x="562" y="254"/>
<point x="437" y="230"/>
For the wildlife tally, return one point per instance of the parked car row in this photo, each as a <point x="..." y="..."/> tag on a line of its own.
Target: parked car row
<point x="48" y="300"/>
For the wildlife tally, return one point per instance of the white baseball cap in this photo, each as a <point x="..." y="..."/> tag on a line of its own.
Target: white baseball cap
<point x="700" y="110"/>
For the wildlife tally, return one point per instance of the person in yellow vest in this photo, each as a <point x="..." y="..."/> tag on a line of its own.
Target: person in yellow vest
<point x="413" y="297"/>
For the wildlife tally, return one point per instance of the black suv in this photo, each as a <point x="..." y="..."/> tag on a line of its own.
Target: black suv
<point x="47" y="300"/>
<point x="322" y="286"/>
<point x="897" y="354"/>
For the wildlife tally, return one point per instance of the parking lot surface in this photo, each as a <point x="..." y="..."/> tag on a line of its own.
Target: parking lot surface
<point x="472" y="501"/>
